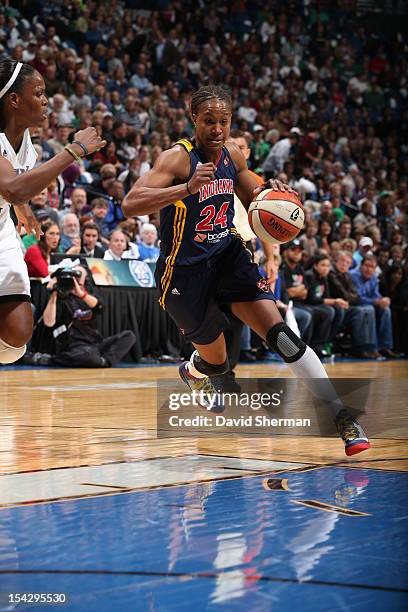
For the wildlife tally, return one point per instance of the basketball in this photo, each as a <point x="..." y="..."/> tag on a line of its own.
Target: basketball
<point x="276" y="216"/>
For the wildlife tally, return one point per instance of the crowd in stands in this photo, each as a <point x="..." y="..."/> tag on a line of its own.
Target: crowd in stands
<point x="320" y="100"/>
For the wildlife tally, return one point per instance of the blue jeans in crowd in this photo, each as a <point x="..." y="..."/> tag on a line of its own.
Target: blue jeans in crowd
<point x="361" y="320"/>
<point x="384" y="328"/>
<point x="246" y="338"/>
<point x="337" y="321"/>
<point x="303" y="319"/>
<point x="371" y="327"/>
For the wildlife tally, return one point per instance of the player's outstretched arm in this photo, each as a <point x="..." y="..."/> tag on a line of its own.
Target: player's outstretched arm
<point x="18" y="189"/>
<point x="166" y="183"/>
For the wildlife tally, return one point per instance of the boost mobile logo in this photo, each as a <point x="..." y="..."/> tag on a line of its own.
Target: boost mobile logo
<point x="295" y="215"/>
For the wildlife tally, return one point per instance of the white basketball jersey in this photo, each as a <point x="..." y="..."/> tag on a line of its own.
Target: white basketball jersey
<point x="22" y="161"/>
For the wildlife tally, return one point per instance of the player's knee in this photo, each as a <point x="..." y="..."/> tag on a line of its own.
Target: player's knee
<point x="209" y="369"/>
<point x="282" y="340"/>
<point x="10" y="354"/>
<point x="19" y="335"/>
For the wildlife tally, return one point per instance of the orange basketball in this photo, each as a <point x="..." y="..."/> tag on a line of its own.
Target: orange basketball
<point x="276" y="216"/>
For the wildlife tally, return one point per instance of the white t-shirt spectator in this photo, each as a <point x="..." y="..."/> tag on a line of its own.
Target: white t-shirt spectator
<point x="358" y="85"/>
<point x="248" y="113"/>
<point x="287" y="70"/>
<point x="267" y="30"/>
<point x="65" y="113"/>
<point x="131" y="253"/>
<point x="277" y="156"/>
<point x="194" y="67"/>
<point x="78" y="102"/>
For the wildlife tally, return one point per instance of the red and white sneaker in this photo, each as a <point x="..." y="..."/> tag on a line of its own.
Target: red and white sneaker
<point x="353" y="435"/>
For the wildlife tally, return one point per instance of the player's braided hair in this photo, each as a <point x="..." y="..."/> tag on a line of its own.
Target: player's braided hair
<point x="6" y="70"/>
<point x="208" y="92"/>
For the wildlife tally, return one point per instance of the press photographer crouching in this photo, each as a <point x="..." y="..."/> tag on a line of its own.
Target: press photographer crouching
<point x="72" y="313"/>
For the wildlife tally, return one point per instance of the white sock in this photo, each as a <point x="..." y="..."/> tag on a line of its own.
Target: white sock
<point x="191" y="369"/>
<point x="311" y="370"/>
<point x="308" y="366"/>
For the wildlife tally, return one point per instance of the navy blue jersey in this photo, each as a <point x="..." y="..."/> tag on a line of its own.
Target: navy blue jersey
<point x="199" y="226"/>
<point x="196" y="228"/>
<point x="204" y="263"/>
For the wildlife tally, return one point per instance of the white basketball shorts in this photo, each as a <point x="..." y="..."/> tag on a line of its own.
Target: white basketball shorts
<point x="14" y="281"/>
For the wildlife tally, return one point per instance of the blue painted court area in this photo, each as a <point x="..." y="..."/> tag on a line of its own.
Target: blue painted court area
<point x="224" y="545"/>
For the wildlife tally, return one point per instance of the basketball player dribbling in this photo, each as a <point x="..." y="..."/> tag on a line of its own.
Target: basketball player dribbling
<point x="203" y="262"/>
<point x="23" y="104"/>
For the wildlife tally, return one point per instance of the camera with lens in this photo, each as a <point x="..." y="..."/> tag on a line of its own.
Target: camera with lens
<point x="65" y="280"/>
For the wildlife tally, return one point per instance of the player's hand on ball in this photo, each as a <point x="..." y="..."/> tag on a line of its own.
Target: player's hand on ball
<point x="204" y="174"/>
<point x="90" y="139"/>
<point x="279" y="186"/>
<point x="275" y="185"/>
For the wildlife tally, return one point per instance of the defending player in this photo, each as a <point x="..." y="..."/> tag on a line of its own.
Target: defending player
<point x="23" y="104"/>
<point x="203" y="262"/>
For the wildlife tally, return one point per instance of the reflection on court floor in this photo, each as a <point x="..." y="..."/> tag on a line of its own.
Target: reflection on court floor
<point x="226" y="544"/>
<point x="65" y="483"/>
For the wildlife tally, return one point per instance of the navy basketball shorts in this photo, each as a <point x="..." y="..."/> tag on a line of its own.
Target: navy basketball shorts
<point x="196" y="294"/>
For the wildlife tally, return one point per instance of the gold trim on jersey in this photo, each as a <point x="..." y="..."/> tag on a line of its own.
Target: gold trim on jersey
<point x="186" y="144"/>
<point x="178" y="229"/>
<point x="237" y="235"/>
<point x="235" y="232"/>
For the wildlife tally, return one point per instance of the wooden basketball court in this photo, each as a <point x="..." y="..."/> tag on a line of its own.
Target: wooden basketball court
<point x="53" y="418"/>
<point x="81" y="446"/>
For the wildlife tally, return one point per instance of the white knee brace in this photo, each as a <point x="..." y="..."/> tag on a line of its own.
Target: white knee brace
<point x="10" y="354"/>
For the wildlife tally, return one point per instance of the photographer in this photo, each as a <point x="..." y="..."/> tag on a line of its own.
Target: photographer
<point x="72" y="312"/>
